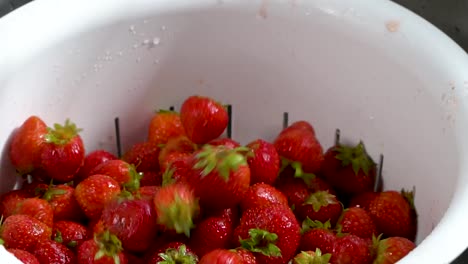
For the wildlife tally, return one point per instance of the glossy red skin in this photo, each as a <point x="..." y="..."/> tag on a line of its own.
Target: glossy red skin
<point x="133" y="222"/>
<point x="318" y="238"/>
<point x="352" y="249"/>
<point x="24" y="232"/>
<point x="261" y="194"/>
<point x="330" y="212"/>
<point x="357" y="221"/>
<point x="144" y="156"/>
<point x="317" y="184"/>
<point x="88" y="250"/>
<point x="26" y="144"/>
<point x="134" y="259"/>
<point x="363" y="200"/>
<point x="301" y="146"/>
<point x="94" y="193"/>
<point x="37" y="208"/>
<point x="203" y="119"/>
<point x="71" y="232"/>
<point x="397" y="248"/>
<point x="179" y="161"/>
<point x="299" y="125"/>
<point x="295" y="190"/>
<point x="148" y="192"/>
<point x="151" y="178"/>
<point x="10" y="200"/>
<point x="221" y="256"/>
<point x="49" y="251"/>
<point x="24" y="256"/>
<point x="276" y="219"/>
<point x="62" y="162"/>
<point x="343" y="178"/>
<point x="164" y="126"/>
<point x="246" y="256"/>
<point x="92" y="160"/>
<point x="119" y="170"/>
<point x="155" y="258"/>
<point x="65" y="205"/>
<point x="265" y="162"/>
<point x="230" y="143"/>
<point x="181" y="145"/>
<point x="392" y="215"/>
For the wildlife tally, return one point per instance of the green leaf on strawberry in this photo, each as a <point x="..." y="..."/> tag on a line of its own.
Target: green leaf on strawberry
<point x="309" y="224"/>
<point x="356" y="156"/>
<point x="319" y="199"/>
<point x="109" y="245"/>
<point x="180" y="255"/>
<point x="310" y="257"/>
<point x="262" y="241"/>
<point x="221" y="159"/>
<point x="62" y="134"/>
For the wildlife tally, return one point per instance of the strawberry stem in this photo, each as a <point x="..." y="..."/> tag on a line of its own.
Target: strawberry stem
<point x="109" y="245"/>
<point x="62" y="134"/>
<point x="134" y="183"/>
<point x="167" y="177"/>
<point x="309" y="224"/>
<point x="179" y="215"/>
<point x="310" y="257"/>
<point x="356" y="156"/>
<point x="261" y="241"/>
<point x="58" y="237"/>
<point x="220" y="159"/>
<point x="178" y="256"/>
<point x="319" y="199"/>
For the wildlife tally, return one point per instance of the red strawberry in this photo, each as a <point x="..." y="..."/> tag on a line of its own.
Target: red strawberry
<point x="70" y="234"/>
<point x="312" y="257"/>
<point x="271" y="232"/>
<point x="63" y="153"/>
<point x="95" y="192"/>
<point x="261" y="194"/>
<point x="144" y="156"/>
<point x="133" y="221"/>
<point x="176" y="207"/>
<point x="92" y="160"/>
<point x="37" y="208"/>
<point x="227" y="142"/>
<point x="26" y="145"/>
<point x="221" y="256"/>
<point x="133" y="259"/>
<point x="356" y="221"/>
<point x="352" y="249"/>
<point x="203" y="119"/>
<point x="105" y="248"/>
<point x="49" y="251"/>
<point x="174" y="252"/>
<point x="23" y="232"/>
<point x="349" y="170"/>
<point x="163" y="126"/>
<point x="176" y="167"/>
<point x="24" y="256"/>
<point x="295" y="190"/>
<point x="317" y="235"/>
<point x="393" y="215"/>
<point x="62" y="199"/>
<point x="10" y="200"/>
<point x="182" y="147"/>
<point x="124" y="173"/>
<point x="392" y="249"/>
<point x="264" y="163"/>
<point x="301" y="148"/>
<point x="321" y="206"/>
<point x="151" y="178"/>
<point x="316" y="184"/>
<point x="220" y="177"/>
<point x="299" y="125"/>
<point x="148" y="192"/>
<point x="363" y="200"/>
<point x="246" y="256"/>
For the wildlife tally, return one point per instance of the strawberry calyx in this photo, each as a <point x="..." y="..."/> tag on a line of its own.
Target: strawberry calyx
<point x="179" y="215"/>
<point x="311" y="257"/>
<point x="178" y="256"/>
<point x="50" y="192"/>
<point x="379" y="247"/>
<point x="261" y="241"/>
<point x="134" y="183"/>
<point x="309" y="224"/>
<point x="319" y="199"/>
<point x="298" y="171"/>
<point x="58" y="237"/>
<point x="409" y="197"/>
<point x="62" y="134"/>
<point x="221" y="159"/>
<point x="109" y="245"/>
<point x="356" y="156"/>
<point x="164" y="111"/>
<point x="167" y="177"/>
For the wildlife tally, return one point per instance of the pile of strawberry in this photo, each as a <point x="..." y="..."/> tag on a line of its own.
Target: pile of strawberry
<point x="188" y="195"/>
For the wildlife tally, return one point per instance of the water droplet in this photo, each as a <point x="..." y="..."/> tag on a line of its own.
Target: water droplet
<point x="156" y="41"/>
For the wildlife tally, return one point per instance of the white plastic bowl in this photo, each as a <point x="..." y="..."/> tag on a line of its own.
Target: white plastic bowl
<point x="371" y="68"/>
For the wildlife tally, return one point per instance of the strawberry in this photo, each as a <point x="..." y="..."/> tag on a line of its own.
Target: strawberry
<point x="70" y="234"/>
<point x="133" y="221"/>
<point x="24" y="256"/>
<point x="105" y="248"/>
<point x="264" y="163"/>
<point x="203" y="119"/>
<point x="221" y="256"/>
<point x="261" y="194"/>
<point x="148" y="192"/>
<point x="227" y="142"/>
<point x="271" y="232"/>
<point x="163" y="126"/>
<point x="220" y="176"/>
<point x="176" y="167"/>
<point x="49" y="251"/>
<point x="26" y="144"/>
<point x="299" y="125"/>
<point x="312" y="257"/>
<point x="317" y="235"/>
<point x="301" y="149"/>
<point x="363" y="200"/>
<point x="133" y="259"/>
<point x="321" y="206"/>
<point x="10" y="200"/>
<point x="63" y="152"/>
<point x="23" y="232"/>
<point x="392" y="249"/>
<point x="316" y="184"/>
<point x="351" y="249"/>
<point x="92" y="160"/>
<point x="393" y="215"/>
<point x="124" y="173"/>
<point x="37" y="208"/>
<point x="174" y="252"/>
<point x="182" y="147"/>
<point x="144" y="156"/>
<point x="349" y="170"/>
<point x="62" y="199"/>
<point x="295" y="190"/>
<point x="246" y="256"/>
<point x="176" y="207"/>
<point x="151" y="178"/>
<point x="94" y="193"/>
<point x="356" y="221"/>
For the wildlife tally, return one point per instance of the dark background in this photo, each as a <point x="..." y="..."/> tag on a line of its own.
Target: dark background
<point x="450" y="16"/>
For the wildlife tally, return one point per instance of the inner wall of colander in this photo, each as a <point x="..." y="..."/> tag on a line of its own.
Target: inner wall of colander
<point x="132" y="68"/>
